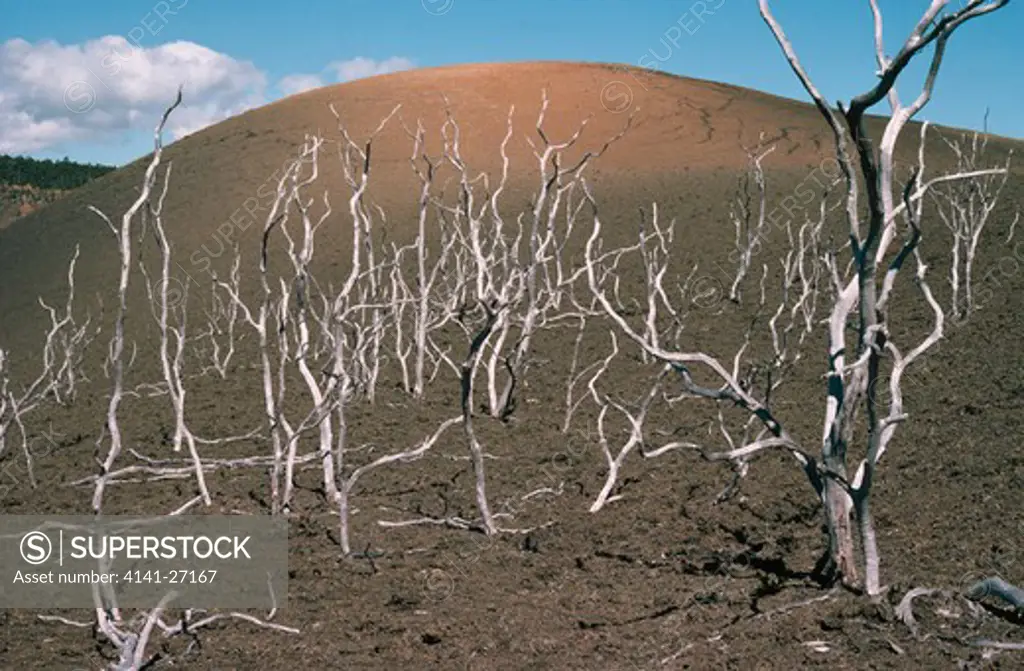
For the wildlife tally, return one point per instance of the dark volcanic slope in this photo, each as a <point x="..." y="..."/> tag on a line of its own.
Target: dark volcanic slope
<point x="681" y="125"/>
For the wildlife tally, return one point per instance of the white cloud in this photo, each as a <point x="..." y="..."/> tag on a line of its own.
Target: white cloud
<point x="343" y="71"/>
<point x="52" y="93"/>
<point x="293" y="84"/>
<point x="358" y="68"/>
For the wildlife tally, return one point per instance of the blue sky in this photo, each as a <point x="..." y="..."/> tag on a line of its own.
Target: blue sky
<point x="235" y="55"/>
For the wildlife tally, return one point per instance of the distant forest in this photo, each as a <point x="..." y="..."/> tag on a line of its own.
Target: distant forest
<point x="48" y="174"/>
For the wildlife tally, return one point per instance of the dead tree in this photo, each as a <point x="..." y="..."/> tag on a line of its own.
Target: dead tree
<point x="431" y="302"/>
<point x="221" y="321"/>
<point x="348" y="483"/>
<point x="108" y="615"/>
<point x="636" y="419"/>
<point x="116" y="351"/>
<point x="260" y="322"/>
<point x="60" y="372"/>
<point x="493" y="279"/>
<point x="542" y="261"/>
<point x="331" y="337"/>
<point x="171" y="364"/>
<point x="297" y="297"/>
<point x="749" y="224"/>
<point x="66" y="344"/>
<point x="965" y="207"/>
<point x="653" y="247"/>
<point x="857" y="292"/>
<point x="493" y="312"/>
<point x="661" y="327"/>
<point x="130" y="637"/>
<point x="576" y="373"/>
<point x="855" y="386"/>
<point x="281" y="324"/>
<point x="365" y="267"/>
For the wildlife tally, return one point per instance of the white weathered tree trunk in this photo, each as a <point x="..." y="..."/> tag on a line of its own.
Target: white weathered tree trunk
<point x="860" y="293"/>
<point x="116" y="355"/>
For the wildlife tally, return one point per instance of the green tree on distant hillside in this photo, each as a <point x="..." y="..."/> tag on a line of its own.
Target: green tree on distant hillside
<point x="47" y="173"/>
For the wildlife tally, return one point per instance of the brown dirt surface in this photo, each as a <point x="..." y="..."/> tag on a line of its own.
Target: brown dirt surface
<point x="660" y="579"/>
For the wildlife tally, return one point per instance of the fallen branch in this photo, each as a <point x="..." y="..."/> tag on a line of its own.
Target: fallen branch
<point x="998" y="588"/>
